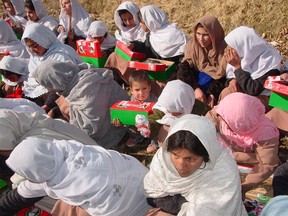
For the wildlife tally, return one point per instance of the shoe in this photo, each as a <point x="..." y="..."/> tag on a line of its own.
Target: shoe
<point x="152" y="147"/>
<point x="134" y="140"/>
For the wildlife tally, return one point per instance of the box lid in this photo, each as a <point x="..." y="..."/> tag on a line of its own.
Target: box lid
<point x="133" y="106"/>
<point x="88" y="48"/>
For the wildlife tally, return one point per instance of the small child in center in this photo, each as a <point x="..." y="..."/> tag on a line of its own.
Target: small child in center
<point x="140" y="90"/>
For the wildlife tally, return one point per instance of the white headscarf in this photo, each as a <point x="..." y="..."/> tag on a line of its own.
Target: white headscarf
<point x="99" y="181"/>
<point x="18" y="18"/>
<point x="176" y="96"/>
<point x="10" y="43"/>
<point x="277" y="206"/>
<point x="130" y="34"/>
<point x="166" y="39"/>
<point x="257" y="56"/>
<point x="15" y="65"/>
<point x="18" y="126"/>
<point x="20" y="105"/>
<point x="55" y="50"/>
<point x="99" y="29"/>
<point x="48" y="21"/>
<point x="213" y="190"/>
<point x="80" y="20"/>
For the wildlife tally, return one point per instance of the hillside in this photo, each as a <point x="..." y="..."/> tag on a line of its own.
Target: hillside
<point x="268" y="17"/>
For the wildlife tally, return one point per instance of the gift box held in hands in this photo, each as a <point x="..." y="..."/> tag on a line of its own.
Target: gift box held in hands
<point x="122" y="50"/>
<point x="126" y="111"/>
<point x="32" y="211"/>
<point x="157" y="69"/>
<point x="90" y="52"/>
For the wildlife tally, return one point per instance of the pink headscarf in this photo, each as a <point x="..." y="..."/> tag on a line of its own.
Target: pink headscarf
<point x="244" y="120"/>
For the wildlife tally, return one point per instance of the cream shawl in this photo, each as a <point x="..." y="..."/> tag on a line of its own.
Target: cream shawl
<point x="214" y="190"/>
<point x="209" y="60"/>
<point x="18" y="126"/>
<point x="20" y="104"/>
<point x="10" y="43"/>
<point x="90" y="93"/>
<point x="18" y="18"/>
<point x="102" y="182"/>
<point x="257" y="56"/>
<point x="166" y="39"/>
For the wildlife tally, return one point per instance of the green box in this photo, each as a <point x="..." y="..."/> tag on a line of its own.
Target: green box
<point x="163" y="75"/>
<point x="97" y="62"/>
<point x="125" y="56"/>
<point x="126" y="111"/>
<point x="279" y="101"/>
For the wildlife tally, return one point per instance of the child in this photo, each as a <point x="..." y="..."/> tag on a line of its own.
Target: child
<point x="205" y="54"/>
<point x="253" y="138"/>
<point x="36" y="12"/>
<point x="250" y="61"/>
<point x="14" y="72"/>
<point x="99" y="32"/>
<point x="9" y="42"/>
<point x="15" y="15"/>
<point x="74" y="22"/>
<point x="140" y="89"/>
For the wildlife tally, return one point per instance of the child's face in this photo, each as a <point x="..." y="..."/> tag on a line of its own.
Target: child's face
<point x="9" y="8"/>
<point x="99" y="39"/>
<point x="128" y="20"/>
<point x="35" y="47"/>
<point x="66" y="7"/>
<point x="203" y="37"/>
<point x="31" y="15"/>
<point x="141" y="90"/>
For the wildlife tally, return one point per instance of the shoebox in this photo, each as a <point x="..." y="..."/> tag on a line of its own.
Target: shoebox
<point x="90" y="52"/>
<point x="126" y="111"/>
<point x="32" y="211"/>
<point x="157" y="69"/>
<point x="3" y="186"/>
<point x="275" y="84"/>
<point x="123" y="50"/>
<point x="278" y="100"/>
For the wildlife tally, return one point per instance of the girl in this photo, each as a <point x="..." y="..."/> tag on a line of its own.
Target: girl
<point x="205" y="54"/>
<point x="36" y="13"/>
<point x="86" y="96"/>
<point x="99" y="181"/>
<point x="253" y="138"/>
<point x="250" y="61"/>
<point x="15" y="15"/>
<point x="74" y="22"/>
<point x="99" y="32"/>
<point x="9" y="43"/>
<point x="14" y="72"/>
<point x="189" y="170"/>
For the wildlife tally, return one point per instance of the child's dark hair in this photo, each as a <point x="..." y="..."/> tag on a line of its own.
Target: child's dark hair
<point x="187" y="140"/>
<point x="123" y="11"/>
<point x="6" y="73"/>
<point x="6" y="1"/>
<point x="139" y="76"/>
<point x="29" y="4"/>
<point x="187" y="74"/>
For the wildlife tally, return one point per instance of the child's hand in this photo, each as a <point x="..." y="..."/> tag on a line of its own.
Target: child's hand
<point x="116" y="122"/>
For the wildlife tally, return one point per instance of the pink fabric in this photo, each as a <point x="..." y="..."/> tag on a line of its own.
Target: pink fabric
<point x="244" y="120"/>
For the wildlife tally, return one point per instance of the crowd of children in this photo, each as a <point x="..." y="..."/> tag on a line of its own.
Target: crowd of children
<point x="58" y="140"/>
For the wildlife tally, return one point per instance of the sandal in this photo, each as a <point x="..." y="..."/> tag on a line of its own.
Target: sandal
<point x="152" y="147"/>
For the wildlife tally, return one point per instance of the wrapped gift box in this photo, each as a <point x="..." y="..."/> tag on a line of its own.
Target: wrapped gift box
<point x="32" y="211"/>
<point x="122" y="50"/>
<point x="157" y="69"/>
<point x="278" y="100"/>
<point x="126" y="111"/>
<point x="275" y="84"/>
<point x="90" y="52"/>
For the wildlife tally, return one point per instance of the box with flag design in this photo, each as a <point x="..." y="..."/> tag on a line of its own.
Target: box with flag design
<point x="123" y="50"/>
<point x="126" y="111"/>
<point x="90" y="52"/>
<point x="157" y="69"/>
<point x="279" y="92"/>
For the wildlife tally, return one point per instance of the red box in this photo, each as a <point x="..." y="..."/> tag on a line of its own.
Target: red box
<point x="147" y="66"/>
<point x="89" y="48"/>
<point x="275" y="84"/>
<point x="32" y="211"/>
<point x="126" y="111"/>
<point x="133" y="55"/>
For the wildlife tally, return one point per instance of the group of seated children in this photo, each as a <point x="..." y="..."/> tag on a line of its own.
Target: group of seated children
<point x="211" y="113"/>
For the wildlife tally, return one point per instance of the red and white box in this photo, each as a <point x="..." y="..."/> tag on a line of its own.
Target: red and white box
<point x="126" y="53"/>
<point x="88" y="48"/>
<point x="147" y="66"/>
<point x="275" y="84"/>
